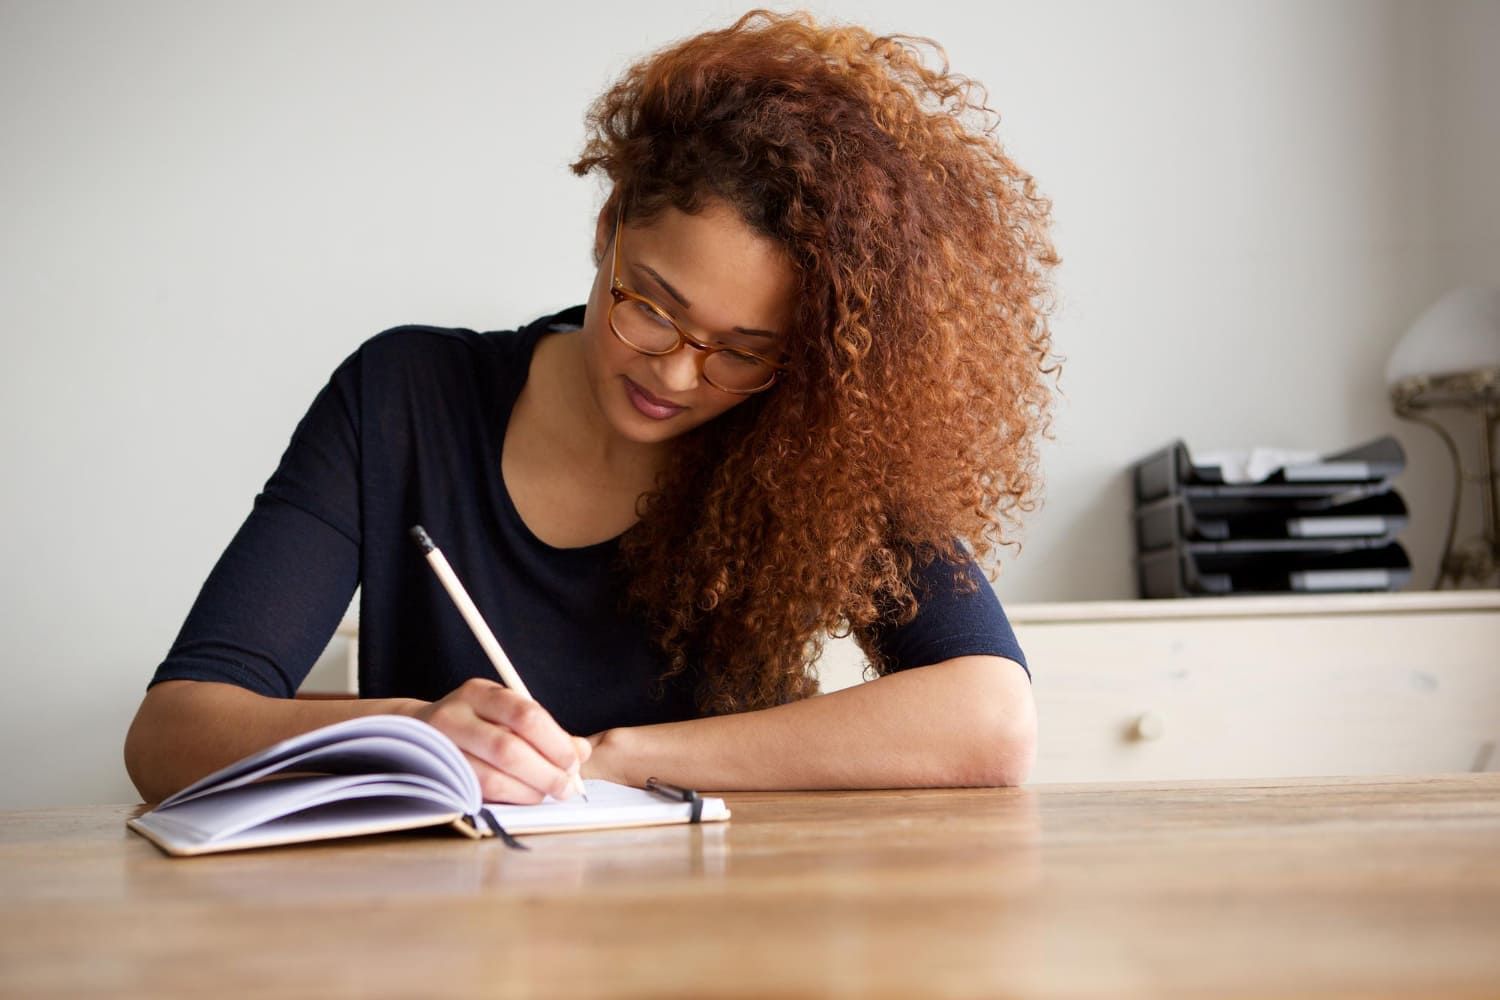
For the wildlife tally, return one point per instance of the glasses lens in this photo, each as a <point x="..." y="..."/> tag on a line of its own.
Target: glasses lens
<point x="643" y="327"/>
<point x="737" y="372"/>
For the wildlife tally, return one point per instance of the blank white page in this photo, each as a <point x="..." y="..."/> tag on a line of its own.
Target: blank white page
<point x="609" y="805"/>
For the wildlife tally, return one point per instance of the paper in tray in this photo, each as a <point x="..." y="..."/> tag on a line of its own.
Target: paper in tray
<point x="1348" y="475"/>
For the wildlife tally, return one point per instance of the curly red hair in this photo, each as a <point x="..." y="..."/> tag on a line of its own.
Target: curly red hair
<point x="906" y="427"/>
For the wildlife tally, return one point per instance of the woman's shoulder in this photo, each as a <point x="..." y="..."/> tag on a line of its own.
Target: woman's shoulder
<point x="419" y="350"/>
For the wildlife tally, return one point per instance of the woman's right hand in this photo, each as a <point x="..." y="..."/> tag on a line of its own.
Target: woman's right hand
<point x="518" y="751"/>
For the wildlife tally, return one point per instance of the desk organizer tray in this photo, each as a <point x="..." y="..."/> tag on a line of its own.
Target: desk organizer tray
<point x="1347" y="475"/>
<point x="1247" y="524"/>
<point x="1301" y="497"/>
<point x="1179" y="571"/>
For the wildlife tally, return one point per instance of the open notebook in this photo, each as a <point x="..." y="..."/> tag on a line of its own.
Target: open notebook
<point x="377" y="774"/>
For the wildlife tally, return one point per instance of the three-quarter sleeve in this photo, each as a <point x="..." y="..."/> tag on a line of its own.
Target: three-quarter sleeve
<point x="278" y="591"/>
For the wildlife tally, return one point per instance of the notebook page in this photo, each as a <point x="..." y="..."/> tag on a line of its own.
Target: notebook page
<point x="395" y="727"/>
<point x="223" y="817"/>
<point x="340" y="818"/>
<point x="352" y="755"/>
<point x="609" y="805"/>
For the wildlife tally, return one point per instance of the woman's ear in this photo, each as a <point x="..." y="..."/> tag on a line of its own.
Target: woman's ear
<point x="603" y="230"/>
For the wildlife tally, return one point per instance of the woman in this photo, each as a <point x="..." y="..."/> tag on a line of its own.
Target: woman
<point x="801" y="399"/>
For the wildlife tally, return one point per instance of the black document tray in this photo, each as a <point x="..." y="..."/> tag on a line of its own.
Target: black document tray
<point x="1178" y="572"/>
<point x="1338" y="478"/>
<point x="1269" y="525"/>
<point x="1312" y="497"/>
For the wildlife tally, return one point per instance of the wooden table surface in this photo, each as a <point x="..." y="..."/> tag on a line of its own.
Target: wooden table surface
<point x="1307" y="887"/>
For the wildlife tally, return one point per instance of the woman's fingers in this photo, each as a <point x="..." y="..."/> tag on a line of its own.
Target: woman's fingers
<point x="496" y="786"/>
<point x="509" y="753"/>
<point x="524" y="717"/>
<point x="524" y="752"/>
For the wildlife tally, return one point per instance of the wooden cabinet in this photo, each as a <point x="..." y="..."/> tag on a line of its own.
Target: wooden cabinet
<point x="1259" y="687"/>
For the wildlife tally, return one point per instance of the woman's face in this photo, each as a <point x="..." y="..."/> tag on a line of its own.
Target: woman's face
<point x="724" y="284"/>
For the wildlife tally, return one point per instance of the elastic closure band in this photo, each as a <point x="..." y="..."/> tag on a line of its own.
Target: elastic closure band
<point x="677" y="794"/>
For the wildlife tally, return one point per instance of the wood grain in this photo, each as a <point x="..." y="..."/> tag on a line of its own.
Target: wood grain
<point x="1293" y="887"/>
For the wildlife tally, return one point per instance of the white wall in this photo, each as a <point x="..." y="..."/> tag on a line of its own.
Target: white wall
<point x="1464" y="107"/>
<point x="207" y="206"/>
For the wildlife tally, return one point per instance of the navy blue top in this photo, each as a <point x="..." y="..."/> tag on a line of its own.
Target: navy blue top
<point x="409" y="431"/>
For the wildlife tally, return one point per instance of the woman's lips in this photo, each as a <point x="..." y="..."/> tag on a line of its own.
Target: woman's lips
<point x="649" y="405"/>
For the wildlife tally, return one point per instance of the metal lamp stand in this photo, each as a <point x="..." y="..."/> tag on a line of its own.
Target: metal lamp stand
<point x="1478" y="392"/>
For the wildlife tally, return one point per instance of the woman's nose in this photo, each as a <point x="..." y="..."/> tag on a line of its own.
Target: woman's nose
<point x="681" y="370"/>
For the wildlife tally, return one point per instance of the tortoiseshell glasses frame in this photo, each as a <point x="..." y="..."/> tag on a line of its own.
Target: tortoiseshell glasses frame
<point x="621" y="294"/>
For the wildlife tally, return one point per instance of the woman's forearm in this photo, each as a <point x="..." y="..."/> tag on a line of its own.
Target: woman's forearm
<point x="966" y="721"/>
<point x="186" y="729"/>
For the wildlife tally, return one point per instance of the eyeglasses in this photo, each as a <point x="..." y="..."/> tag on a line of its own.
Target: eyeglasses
<point x="644" y="326"/>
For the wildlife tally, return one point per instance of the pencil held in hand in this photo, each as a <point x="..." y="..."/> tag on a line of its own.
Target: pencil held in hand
<point x="479" y="627"/>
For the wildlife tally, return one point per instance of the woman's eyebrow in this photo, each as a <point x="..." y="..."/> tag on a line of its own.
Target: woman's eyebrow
<point x="682" y="300"/>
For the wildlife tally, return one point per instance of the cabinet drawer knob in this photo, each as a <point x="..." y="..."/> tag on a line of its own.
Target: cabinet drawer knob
<point x="1148" y="726"/>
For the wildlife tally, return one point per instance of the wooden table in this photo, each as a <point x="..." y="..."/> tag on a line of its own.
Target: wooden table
<point x="1307" y="887"/>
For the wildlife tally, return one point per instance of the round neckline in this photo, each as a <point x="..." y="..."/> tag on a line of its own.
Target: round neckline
<point x="531" y="336"/>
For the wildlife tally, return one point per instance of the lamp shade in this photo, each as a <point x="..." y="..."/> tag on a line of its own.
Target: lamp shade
<point x="1460" y="332"/>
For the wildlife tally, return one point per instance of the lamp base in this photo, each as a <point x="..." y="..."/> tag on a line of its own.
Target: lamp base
<point x="1477" y="392"/>
<point x="1477" y="561"/>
